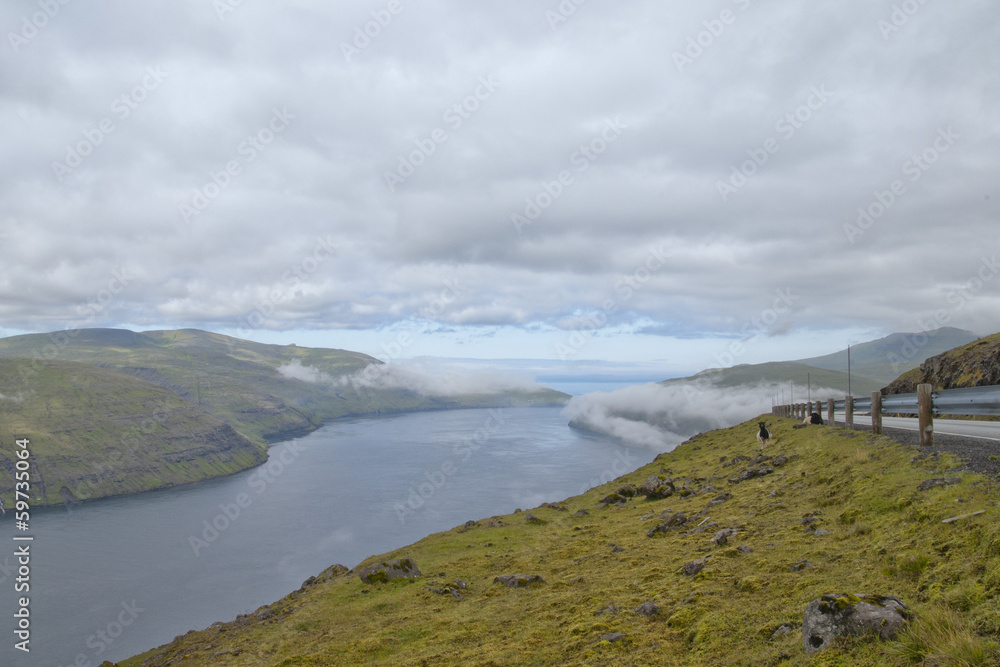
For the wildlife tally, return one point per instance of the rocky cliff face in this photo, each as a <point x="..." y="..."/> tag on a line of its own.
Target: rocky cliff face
<point x="974" y="365"/>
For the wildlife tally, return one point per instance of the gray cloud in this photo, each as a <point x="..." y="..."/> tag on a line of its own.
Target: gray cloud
<point x="323" y="176"/>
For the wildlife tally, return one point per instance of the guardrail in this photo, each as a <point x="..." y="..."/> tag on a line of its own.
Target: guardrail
<point x="925" y="403"/>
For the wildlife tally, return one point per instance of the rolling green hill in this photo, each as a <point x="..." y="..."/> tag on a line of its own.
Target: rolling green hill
<point x="95" y="433"/>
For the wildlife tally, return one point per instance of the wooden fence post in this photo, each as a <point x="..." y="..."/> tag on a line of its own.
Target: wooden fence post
<point x="925" y="414"/>
<point x="829" y="412"/>
<point x="849" y="411"/>
<point x="877" y="412"/>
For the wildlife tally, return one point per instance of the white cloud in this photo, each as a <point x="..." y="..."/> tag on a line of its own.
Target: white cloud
<point x="438" y="380"/>
<point x="662" y="416"/>
<point x="296" y="371"/>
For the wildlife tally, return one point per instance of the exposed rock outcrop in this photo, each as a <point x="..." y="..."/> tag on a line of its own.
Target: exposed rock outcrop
<point x="834" y="616"/>
<point x="974" y="365"/>
<point x="398" y="568"/>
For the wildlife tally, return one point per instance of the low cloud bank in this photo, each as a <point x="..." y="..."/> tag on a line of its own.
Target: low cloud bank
<point x="430" y="379"/>
<point x="662" y="416"/>
<point x="296" y="371"/>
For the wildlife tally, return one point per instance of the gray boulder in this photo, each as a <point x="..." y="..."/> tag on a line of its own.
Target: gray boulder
<point x="841" y="615"/>
<point x="694" y="567"/>
<point x="656" y="487"/>
<point x="751" y="473"/>
<point x="722" y="537"/>
<point x="518" y="580"/>
<point x="398" y="568"/>
<point x="647" y="608"/>
<point x="673" y="523"/>
<point x="938" y="481"/>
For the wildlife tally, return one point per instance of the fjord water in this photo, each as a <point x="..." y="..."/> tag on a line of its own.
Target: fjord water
<point x="116" y="577"/>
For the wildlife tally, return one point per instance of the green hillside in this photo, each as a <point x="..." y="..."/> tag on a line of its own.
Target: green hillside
<point x="111" y="412"/>
<point x="238" y="381"/>
<point x="94" y="433"/>
<point x="831" y="511"/>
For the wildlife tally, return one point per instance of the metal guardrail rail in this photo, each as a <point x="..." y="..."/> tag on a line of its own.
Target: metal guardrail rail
<point x="967" y="402"/>
<point x="925" y="403"/>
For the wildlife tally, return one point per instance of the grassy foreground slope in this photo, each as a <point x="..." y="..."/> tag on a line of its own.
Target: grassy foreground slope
<point x="884" y="536"/>
<point x="96" y="433"/>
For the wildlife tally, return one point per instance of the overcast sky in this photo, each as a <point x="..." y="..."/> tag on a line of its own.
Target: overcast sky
<point x="630" y="181"/>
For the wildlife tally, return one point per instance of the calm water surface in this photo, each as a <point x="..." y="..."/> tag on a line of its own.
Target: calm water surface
<point x="117" y="577"/>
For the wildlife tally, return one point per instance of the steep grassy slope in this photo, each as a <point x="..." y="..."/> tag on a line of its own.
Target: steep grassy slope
<point x="238" y="381"/>
<point x="974" y="365"/>
<point x="885" y="536"/>
<point x="96" y="433"/>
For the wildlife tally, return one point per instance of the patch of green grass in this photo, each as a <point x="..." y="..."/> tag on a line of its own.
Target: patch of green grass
<point x="942" y="637"/>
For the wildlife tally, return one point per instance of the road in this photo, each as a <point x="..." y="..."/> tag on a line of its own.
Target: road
<point x="961" y="427"/>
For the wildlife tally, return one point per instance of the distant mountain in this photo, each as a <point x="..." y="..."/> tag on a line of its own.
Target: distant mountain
<point x="974" y="365"/>
<point x="873" y="364"/>
<point x="791" y="374"/>
<point x="885" y="359"/>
